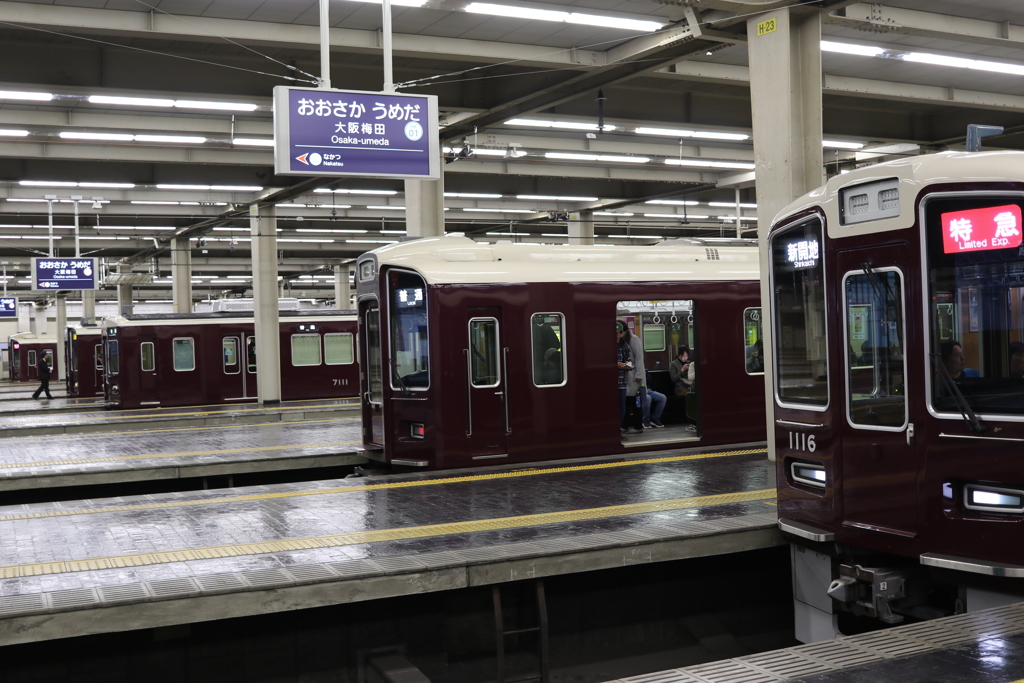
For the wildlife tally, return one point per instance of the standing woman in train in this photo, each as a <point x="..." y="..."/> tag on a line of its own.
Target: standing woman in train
<point x="635" y="378"/>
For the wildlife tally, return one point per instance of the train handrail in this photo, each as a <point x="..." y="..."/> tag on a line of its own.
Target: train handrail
<point x="791" y="423"/>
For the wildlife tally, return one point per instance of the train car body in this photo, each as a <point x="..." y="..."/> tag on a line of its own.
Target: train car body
<point x="209" y="358"/>
<point x="25" y="349"/>
<point x="479" y="354"/>
<point x="898" y="469"/>
<point x="83" y="360"/>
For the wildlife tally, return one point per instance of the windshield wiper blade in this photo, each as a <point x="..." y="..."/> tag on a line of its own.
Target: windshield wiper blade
<point x="966" y="411"/>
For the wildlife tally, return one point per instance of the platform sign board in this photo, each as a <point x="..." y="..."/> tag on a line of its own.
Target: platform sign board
<point x="355" y="133"/>
<point x="50" y="274"/>
<point x="8" y="307"/>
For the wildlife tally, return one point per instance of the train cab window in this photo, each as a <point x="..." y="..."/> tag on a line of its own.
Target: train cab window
<point x="753" y="345"/>
<point x="305" y="349"/>
<point x="113" y="360"/>
<point x="229" y="352"/>
<point x="483" y="352"/>
<point x="184" y="354"/>
<point x="98" y="356"/>
<point x="374" y="357"/>
<point x="339" y="349"/>
<point x="975" y="276"/>
<point x="548" y="358"/>
<point x="875" y="367"/>
<point x="798" y="309"/>
<point x="409" y="337"/>
<point x="31" y="357"/>
<point x="148" y="355"/>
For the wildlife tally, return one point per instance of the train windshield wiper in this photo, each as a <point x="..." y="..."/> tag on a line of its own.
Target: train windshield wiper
<point x="398" y="376"/>
<point x="966" y="411"/>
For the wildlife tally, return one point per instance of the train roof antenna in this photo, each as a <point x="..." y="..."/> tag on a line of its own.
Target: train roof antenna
<point x="975" y="132"/>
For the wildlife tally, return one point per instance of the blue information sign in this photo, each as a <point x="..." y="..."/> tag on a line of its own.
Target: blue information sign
<point x="355" y="133"/>
<point x="61" y="273"/>
<point x="8" y="307"/>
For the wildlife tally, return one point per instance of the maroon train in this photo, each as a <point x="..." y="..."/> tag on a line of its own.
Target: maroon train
<point x="897" y="314"/>
<point x="207" y="358"/>
<point x="479" y="354"/>
<point x="24" y="350"/>
<point x="83" y="360"/>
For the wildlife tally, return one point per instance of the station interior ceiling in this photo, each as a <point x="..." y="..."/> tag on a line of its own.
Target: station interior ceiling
<point x="156" y="115"/>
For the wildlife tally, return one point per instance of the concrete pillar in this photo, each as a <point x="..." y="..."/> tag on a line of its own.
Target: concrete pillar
<point x="62" y="322"/>
<point x="424" y="207"/>
<point x="34" y="325"/>
<point x="181" y="275"/>
<point x="89" y="303"/>
<point x="125" y="304"/>
<point x="785" y="100"/>
<point x="263" y="226"/>
<point x="581" y="228"/>
<point x="342" y="289"/>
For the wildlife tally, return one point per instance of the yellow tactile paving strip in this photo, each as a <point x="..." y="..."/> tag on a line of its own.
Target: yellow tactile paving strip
<point x="360" y="537"/>
<point x="369" y="487"/>
<point x="193" y="428"/>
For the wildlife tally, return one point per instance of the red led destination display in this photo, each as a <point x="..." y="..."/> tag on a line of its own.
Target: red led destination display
<point x="994" y="227"/>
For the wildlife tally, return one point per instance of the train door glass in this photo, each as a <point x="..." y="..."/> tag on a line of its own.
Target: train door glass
<point x="149" y="385"/>
<point x="231" y="364"/>
<point x="876" y="454"/>
<point x="487" y="410"/>
<point x="374" y="374"/>
<point x="97" y="367"/>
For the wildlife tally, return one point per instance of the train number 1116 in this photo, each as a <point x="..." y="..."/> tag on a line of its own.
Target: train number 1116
<point x="802" y="442"/>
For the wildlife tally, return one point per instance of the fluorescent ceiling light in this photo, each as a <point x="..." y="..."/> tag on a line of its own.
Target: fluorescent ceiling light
<point x="215" y="188"/>
<point x="382" y="192"/>
<point x="489" y="152"/>
<point x="567" y="125"/>
<point x="545" y="198"/>
<point x="12" y="133"/>
<point x="14" y="199"/>
<point x="567" y="17"/>
<point x="612" y="213"/>
<point x="21" y="95"/>
<point x="328" y="206"/>
<point x="164" y="186"/>
<point x="472" y="195"/>
<point x="610" y="158"/>
<point x="615" y="22"/>
<point x="509" y="234"/>
<point x="730" y="205"/>
<point x="225" y="106"/>
<point x="732" y="219"/>
<point x="371" y="241"/>
<point x="132" y="101"/>
<point x="682" y="133"/>
<point x="120" y="137"/>
<point x="639" y="237"/>
<point x="851" y="49"/>
<point x="675" y="202"/>
<point x="254" y="142"/>
<point x="181" y="139"/>
<point x="501" y="210"/>
<point x="674" y="215"/>
<point x="711" y="164"/>
<point x="392" y="232"/>
<point x="400" y="3"/>
<point x="841" y="144"/>
<point x="46" y="183"/>
<point x="388" y="208"/>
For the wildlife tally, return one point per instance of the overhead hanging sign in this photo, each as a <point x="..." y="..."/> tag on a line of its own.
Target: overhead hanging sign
<point x="55" y="274"/>
<point x="8" y="307"/>
<point x="994" y="227"/>
<point x="355" y="133"/>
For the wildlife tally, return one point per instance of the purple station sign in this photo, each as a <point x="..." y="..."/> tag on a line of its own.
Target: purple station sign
<point x="355" y="133"/>
<point x="64" y="273"/>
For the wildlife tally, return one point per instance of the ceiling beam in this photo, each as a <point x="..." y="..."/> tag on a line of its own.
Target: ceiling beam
<point x="879" y="18"/>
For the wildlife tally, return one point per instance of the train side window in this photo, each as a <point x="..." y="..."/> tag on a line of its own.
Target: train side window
<point x="98" y="356"/>
<point x="184" y="353"/>
<point x="339" y="348"/>
<point x="654" y="337"/>
<point x="229" y="350"/>
<point x="31" y="357"/>
<point x="548" y="344"/>
<point x="250" y="354"/>
<point x="305" y="349"/>
<point x="148" y="356"/>
<point x="483" y="351"/>
<point x="800" y="348"/>
<point x="753" y="345"/>
<point x="875" y="367"/>
<point x="113" y="360"/>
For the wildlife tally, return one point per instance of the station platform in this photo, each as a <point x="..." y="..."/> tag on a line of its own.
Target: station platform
<point x="987" y="645"/>
<point x="98" y="566"/>
<point x="174" y="452"/>
<point x="33" y="421"/>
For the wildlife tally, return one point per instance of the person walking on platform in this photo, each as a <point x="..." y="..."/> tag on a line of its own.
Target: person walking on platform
<point x="44" y="365"/>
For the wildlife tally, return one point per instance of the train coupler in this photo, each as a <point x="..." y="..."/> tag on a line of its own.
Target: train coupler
<point x="868" y="591"/>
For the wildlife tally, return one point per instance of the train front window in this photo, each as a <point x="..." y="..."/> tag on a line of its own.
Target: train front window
<point x="975" y="275"/>
<point x="409" y="341"/>
<point x="483" y="351"/>
<point x="374" y="362"/>
<point x="875" y="349"/>
<point x="798" y="303"/>
<point x="113" y="362"/>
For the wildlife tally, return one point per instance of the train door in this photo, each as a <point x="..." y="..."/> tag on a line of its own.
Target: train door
<point x="250" y="386"/>
<point x="373" y="373"/>
<point x="149" y="380"/>
<point x="232" y="378"/>
<point x="71" y="379"/>
<point x="96" y="365"/>
<point x="487" y="410"/>
<point x="879" y="462"/>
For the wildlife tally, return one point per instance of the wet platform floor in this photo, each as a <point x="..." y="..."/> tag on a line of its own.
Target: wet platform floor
<point x="120" y="564"/>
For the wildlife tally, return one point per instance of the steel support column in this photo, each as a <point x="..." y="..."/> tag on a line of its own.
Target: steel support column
<point x="342" y="289"/>
<point x="263" y="227"/>
<point x="181" y="275"/>
<point x="581" y="228"/>
<point x="59" y="366"/>
<point x="424" y="207"/>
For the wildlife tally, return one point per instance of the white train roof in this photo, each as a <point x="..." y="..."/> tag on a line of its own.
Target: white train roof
<point x="913" y="175"/>
<point x="34" y="338"/>
<point x="456" y="259"/>
<point x="224" y="318"/>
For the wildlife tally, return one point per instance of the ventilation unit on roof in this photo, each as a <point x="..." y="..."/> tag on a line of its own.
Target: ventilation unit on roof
<point x="869" y="201"/>
<point x="712" y="254"/>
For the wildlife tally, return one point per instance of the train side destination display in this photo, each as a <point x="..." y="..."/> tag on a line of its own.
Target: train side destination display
<point x="63" y="273"/>
<point x="8" y="307"/>
<point x="355" y="133"/>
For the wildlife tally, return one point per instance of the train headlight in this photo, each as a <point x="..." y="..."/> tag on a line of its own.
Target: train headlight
<point x="808" y="473"/>
<point x="993" y="498"/>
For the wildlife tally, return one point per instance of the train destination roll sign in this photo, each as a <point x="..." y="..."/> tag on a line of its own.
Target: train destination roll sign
<point x="355" y="133"/>
<point x="63" y="273"/>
